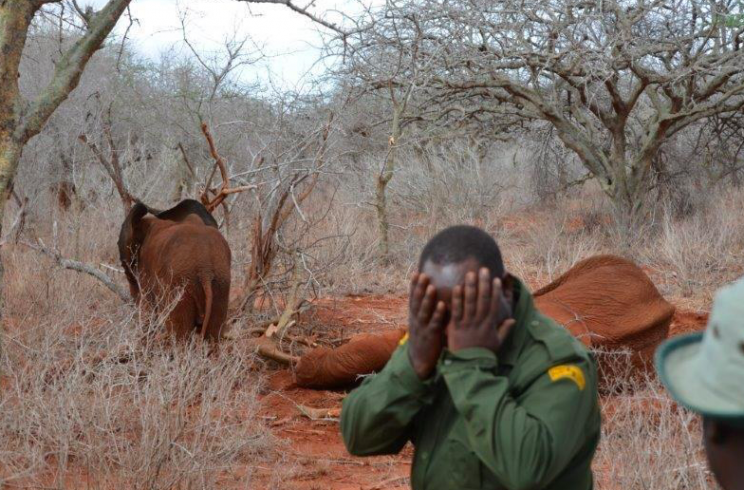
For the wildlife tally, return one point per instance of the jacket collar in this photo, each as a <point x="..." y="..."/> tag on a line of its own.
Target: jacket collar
<point x="524" y="315"/>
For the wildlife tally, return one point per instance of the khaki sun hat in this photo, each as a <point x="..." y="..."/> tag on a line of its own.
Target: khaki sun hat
<point x="705" y="371"/>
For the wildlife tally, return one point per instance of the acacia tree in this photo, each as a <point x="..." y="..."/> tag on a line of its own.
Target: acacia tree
<point x="615" y="79"/>
<point x="20" y="119"/>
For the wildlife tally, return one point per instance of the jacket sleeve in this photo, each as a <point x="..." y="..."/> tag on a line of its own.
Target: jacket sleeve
<point x="377" y="417"/>
<point x="526" y="442"/>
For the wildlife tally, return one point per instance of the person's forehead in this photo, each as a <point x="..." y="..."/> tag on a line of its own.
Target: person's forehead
<point x="449" y="275"/>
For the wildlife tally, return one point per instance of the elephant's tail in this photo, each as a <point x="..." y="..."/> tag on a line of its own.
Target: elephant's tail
<point x="207" y="285"/>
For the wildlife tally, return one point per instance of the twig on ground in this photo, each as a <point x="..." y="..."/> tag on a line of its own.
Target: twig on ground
<point x="268" y="349"/>
<point x="329" y="414"/>
<point x="267" y="344"/>
<point x="390" y="482"/>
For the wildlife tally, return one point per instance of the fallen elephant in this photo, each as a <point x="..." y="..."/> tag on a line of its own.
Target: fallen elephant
<point x="607" y="302"/>
<point x="612" y="306"/>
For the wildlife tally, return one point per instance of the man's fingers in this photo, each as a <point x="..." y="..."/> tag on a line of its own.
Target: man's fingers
<point x="419" y="289"/>
<point x="495" y="299"/>
<point x="471" y="295"/>
<point x="437" y="320"/>
<point x="427" y="305"/>
<point x="484" y="294"/>
<point x="412" y="286"/>
<point x="457" y="303"/>
<point x="505" y="329"/>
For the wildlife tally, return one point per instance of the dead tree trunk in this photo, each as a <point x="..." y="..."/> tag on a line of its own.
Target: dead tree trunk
<point x="384" y="178"/>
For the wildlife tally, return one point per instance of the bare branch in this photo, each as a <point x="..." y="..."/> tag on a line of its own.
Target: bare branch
<point x="82" y="267"/>
<point x="186" y="160"/>
<point x="113" y="169"/>
<point x="225" y="189"/>
<point x="69" y="69"/>
<point x="302" y="11"/>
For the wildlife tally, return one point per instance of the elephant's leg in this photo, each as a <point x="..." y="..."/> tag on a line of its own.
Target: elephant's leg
<point x="182" y="319"/>
<point x="220" y="303"/>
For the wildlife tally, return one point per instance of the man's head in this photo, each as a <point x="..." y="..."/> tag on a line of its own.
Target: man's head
<point x="705" y="373"/>
<point x="457" y="250"/>
<point x="724" y="445"/>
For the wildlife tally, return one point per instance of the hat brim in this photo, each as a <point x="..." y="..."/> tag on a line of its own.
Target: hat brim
<point x="679" y="365"/>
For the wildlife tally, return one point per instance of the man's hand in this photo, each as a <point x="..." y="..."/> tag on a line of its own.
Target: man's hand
<point x="480" y="315"/>
<point x="425" y="326"/>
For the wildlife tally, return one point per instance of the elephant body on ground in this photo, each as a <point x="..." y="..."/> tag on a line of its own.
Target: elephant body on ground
<point x="611" y="305"/>
<point x="178" y="255"/>
<point x="607" y="302"/>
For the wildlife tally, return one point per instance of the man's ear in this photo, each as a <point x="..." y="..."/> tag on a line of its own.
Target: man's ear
<point x="508" y="283"/>
<point x="713" y="432"/>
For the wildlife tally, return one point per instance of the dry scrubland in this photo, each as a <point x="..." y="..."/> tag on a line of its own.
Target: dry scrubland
<point x="415" y="119"/>
<point x="91" y="398"/>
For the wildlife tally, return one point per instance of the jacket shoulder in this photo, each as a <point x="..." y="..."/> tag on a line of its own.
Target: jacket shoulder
<point x="558" y="342"/>
<point x="551" y="345"/>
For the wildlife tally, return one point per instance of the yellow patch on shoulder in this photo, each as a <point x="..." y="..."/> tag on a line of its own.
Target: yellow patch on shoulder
<point x="403" y="339"/>
<point x="570" y="371"/>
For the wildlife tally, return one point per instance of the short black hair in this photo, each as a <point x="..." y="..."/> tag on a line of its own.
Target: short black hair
<point x="456" y="244"/>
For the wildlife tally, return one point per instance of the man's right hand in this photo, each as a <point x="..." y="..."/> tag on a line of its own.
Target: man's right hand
<point x="425" y="326"/>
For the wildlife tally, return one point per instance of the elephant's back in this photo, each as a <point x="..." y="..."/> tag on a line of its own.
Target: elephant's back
<point x="186" y="251"/>
<point x="608" y="302"/>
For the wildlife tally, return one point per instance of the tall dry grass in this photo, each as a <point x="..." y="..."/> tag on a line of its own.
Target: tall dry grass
<point x="87" y="399"/>
<point x="100" y="400"/>
<point x="648" y="441"/>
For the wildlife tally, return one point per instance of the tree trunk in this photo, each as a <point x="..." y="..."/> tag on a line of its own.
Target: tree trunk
<point x="386" y="175"/>
<point x="629" y="200"/>
<point x="20" y="121"/>
<point x="15" y="18"/>
<point x="383" y="226"/>
<point x="10" y="154"/>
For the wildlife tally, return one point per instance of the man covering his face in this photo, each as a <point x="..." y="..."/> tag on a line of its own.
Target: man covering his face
<point x="492" y="394"/>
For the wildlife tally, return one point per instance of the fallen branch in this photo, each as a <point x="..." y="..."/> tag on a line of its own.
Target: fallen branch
<point x="267" y="344"/>
<point x="268" y="349"/>
<point x="19" y="223"/>
<point x="391" y="482"/>
<point x="78" y="266"/>
<point x="331" y="414"/>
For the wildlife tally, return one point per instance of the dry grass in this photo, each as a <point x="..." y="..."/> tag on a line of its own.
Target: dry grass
<point x="100" y="401"/>
<point x="648" y="441"/>
<point x="87" y="399"/>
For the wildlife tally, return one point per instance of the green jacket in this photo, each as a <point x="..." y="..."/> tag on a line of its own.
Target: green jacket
<point x="526" y="419"/>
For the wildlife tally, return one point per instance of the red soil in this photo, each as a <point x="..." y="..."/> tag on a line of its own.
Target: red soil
<point x="313" y="449"/>
<point x="316" y="445"/>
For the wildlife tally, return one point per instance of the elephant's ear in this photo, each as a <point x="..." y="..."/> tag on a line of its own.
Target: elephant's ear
<point x="186" y="208"/>
<point x="131" y="237"/>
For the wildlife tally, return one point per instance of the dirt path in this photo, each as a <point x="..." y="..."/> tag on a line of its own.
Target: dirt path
<point x="315" y="450"/>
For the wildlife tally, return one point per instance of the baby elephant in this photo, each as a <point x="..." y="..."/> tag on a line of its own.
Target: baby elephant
<point x="178" y="251"/>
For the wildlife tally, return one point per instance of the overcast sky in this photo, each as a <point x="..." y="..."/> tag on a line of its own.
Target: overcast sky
<point x="290" y="39"/>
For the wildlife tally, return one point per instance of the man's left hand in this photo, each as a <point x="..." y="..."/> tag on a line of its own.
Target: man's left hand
<point x="478" y="308"/>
